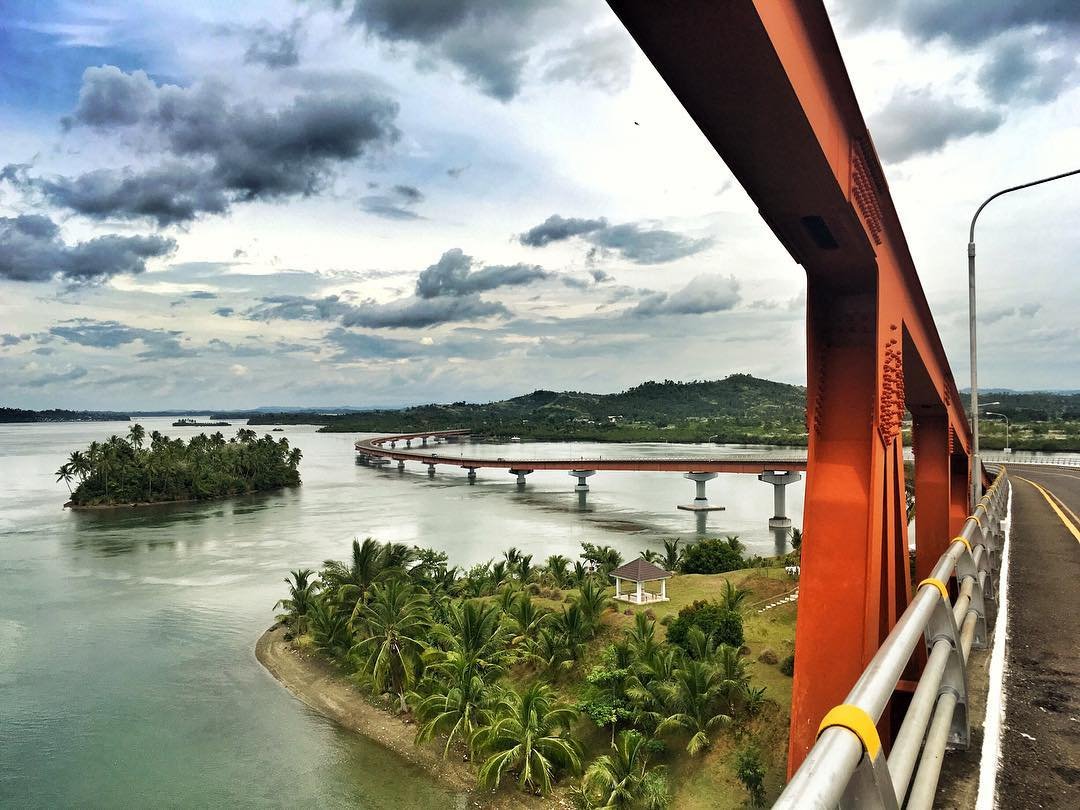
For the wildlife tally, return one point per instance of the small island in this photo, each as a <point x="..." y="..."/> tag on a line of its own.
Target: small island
<point x="197" y="423"/>
<point x="132" y="471"/>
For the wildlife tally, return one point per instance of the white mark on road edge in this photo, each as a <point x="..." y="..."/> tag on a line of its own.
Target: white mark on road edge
<point x="994" y="724"/>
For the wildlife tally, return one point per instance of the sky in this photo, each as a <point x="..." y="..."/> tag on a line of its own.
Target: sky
<point x="387" y="202"/>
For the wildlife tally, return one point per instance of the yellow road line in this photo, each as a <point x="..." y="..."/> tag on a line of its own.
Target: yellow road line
<point x="1050" y="500"/>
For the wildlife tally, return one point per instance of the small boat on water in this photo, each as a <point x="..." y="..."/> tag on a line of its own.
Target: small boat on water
<point x="194" y="423"/>
<point x="515" y="438"/>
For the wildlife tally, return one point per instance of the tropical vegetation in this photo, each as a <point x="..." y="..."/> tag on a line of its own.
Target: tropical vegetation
<point x="517" y="668"/>
<point x="138" y="468"/>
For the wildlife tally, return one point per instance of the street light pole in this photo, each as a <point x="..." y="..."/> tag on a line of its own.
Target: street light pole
<point x="976" y="466"/>
<point x="1003" y="416"/>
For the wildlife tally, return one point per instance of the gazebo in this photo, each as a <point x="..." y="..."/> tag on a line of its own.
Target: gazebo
<point x="639" y="572"/>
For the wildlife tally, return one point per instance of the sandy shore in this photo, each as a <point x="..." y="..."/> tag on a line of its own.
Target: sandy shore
<point x="321" y="686"/>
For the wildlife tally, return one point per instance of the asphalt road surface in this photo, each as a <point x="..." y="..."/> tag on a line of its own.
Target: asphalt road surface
<point x="1041" y="746"/>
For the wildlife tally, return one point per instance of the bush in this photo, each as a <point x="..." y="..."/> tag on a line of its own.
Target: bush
<point x="723" y="626"/>
<point x="751" y="772"/>
<point x="667" y="620"/>
<point x="713" y="556"/>
<point x="787" y="666"/>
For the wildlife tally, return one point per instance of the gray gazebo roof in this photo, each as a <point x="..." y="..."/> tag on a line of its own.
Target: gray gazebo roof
<point x="640" y="570"/>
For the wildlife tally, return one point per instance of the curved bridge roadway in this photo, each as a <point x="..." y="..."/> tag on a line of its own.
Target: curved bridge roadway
<point x="377" y="448"/>
<point x="776" y="471"/>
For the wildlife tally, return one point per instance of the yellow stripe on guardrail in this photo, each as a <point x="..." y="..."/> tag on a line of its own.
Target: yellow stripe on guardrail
<point x="937" y="583"/>
<point x="858" y="722"/>
<point x="959" y="539"/>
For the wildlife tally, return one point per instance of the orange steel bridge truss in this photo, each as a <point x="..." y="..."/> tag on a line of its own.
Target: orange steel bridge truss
<point x="767" y="85"/>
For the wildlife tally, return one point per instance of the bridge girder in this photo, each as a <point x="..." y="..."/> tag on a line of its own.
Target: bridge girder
<point x="767" y="85"/>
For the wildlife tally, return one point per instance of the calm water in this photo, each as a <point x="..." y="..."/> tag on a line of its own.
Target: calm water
<point x="127" y="672"/>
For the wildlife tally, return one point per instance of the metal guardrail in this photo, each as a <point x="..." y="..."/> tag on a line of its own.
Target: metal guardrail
<point x="847" y="765"/>
<point x="1049" y="461"/>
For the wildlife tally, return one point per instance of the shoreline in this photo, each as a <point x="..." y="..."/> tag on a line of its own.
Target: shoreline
<point x="319" y="685"/>
<point x="90" y="507"/>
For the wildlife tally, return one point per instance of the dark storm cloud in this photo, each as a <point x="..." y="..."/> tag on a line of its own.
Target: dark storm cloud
<point x="219" y="151"/>
<point x="1030" y="44"/>
<point x="31" y="250"/>
<point x="1016" y="71"/>
<point x="488" y="42"/>
<point x="418" y="313"/>
<point x="274" y="47"/>
<point x="962" y="21"/>
<point x="704" y="294"/>
<point x="453" y="275"/>
<point x="158" y="343"/>
<point x="11" y="340"/>
<point x="557" y="229"/>
<point x="917" y="122"/>
<point x="633" y="241"/>
<point x="396" y="203"/>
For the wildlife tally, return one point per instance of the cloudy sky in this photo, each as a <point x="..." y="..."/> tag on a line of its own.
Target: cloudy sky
<point x="396" y="201"/>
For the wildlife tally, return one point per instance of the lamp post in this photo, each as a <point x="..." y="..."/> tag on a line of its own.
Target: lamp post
<point x="976" y="468"/>
<point x="1007" y="449"/>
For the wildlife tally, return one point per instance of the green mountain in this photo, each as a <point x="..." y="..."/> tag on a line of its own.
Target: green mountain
<point x="739" y="408"/>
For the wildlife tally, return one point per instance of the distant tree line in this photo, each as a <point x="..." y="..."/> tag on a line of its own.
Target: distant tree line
<point x="60" y="415"/>
<point x="132" y="470"/>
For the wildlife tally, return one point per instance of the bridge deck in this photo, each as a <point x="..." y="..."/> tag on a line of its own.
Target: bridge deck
<point x="377" y="448"/>
<point x="1040" y="757"/>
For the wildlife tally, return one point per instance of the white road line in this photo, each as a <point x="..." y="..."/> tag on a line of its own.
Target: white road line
<point x="994" y="724"/>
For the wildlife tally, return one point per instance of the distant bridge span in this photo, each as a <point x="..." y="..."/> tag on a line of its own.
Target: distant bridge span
<point x="377" y="448"/>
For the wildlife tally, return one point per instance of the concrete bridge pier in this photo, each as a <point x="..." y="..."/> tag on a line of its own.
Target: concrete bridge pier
<point x="780" y="480"/>
<point x="582" y="477"/>
<point x="423" y="441"/>
<point x="408" y="442"/>
<point x="362" y="458"/>
<point x="701" y="503"/>
<point x="401" y="465"/>
<point x="520" y="477"/>
<point x="472" y="474"/>
<point x="393" y="444"/>
<point x="431" y="470"/>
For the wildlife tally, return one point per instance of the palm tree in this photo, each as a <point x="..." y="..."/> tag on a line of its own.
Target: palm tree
<point x="527" y="618"/>
<point x="136" y="434"/>
<point x="556" y="570"/>
<point x="329" y="627"/>
<point x="529" y="737"/>
<point x="293" y="459"/>
<point x="672" y="555"/>
<point x="474" y="633"/>
<point x="550" y="648"/>
<point x="623" y="779"/>
<point x="649" y="555"/>
<point x="592" y="599"/>
<point x="694" y="696"/>
<point x="796" y="539"/>
<point x="394" y="623"/>
<point x="647" y="688"/>
<point x="456" y="707"/>
<point x="642" y="637"/>
<point x="64" y="474"/>
<point x="733" y="597"/>
<point x="351" y="580"/>
<point x="301" y="596"/>
<point x="523" y="568"/>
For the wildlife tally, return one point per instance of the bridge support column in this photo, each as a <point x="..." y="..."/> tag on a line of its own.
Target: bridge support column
<point x="520" y="477"/>
<point x="393" y="444"/>
<point x="423" y="441"/>
<point x="408" y="442"/>
<point x="431" y="470"/>
<point x="933" y="495"/>
<point x="701" y="503"/>
<point x="958" y="497"/>
<point x="582" y="477"/>
<point x="401" y="465"/>
<point x="779" y="481"/>
<point x="472" y="474"/>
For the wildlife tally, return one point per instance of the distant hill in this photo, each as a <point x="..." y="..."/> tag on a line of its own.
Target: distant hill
<point x="739" y="408"/>
<point x="60" y="415"/>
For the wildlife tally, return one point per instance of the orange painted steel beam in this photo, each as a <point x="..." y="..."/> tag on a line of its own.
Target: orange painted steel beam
<point x="377" y="448"/>
<point x="767" y="85"/>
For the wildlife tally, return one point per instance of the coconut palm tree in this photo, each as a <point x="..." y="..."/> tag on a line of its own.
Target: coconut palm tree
<point x="592" y="599"/>
<point x="302" y="593"/>
<point x="393" y="623"/>
<point x="647" y="687"/>
<point x="649" y="555"/>
<point x="623" y="780"/>
<point x="732" y="596"/>
<point x="457" y="706"/>
<point x="527" y="618"/>
<point x="642" y="637"/>
<point x="672" y="555"/>
<point x="64" y="474"/>
<point x="556" y="570"/>
<point x="474" y="633"/>
<point x="350" y="580"/>
<point x="136" y="434"/>
<point x="530" y="737"/>
<point x="694" y="697"/>
<point x="329" y="626"/>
